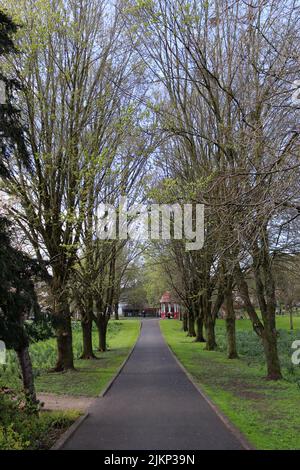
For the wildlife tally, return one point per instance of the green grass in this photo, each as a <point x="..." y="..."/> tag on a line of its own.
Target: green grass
<point x="250" y="347"/>
<point x="90" y="376"/>
<point x="266" y="412"/>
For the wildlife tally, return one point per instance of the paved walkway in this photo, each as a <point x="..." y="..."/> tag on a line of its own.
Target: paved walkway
<point x="152" y="406"/>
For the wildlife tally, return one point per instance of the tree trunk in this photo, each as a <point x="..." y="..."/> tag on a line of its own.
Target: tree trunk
<point x="191" y="324"/>
<point x="244" y="293"/>
<point x="63" y="323"/>
<point x="199" y="321"/>
<point x="291" y="319"/>
<point x="102" y="331"/>
<point x="230" y="324"/>
<point x="265" y="288"/>
<point x="117" y="311"/>
<point x="185" y="322"/>
<point x="271" y="353"/>
<point x="265" y="331"/>
<point x="27" y="375"/>
<point x="87" y="340"/>
<point x="209" y="323"/>
<point x="65" y="360"/>
<point x="211" y="343"/>
<point x="63" y="327"/>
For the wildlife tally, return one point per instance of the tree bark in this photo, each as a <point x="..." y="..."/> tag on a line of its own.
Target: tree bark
<point x="65" y="360"/>
<point x="86" y="313"/>
<point x="191" y="324"/>
<point x="211" y="343"/>
<point x="63" y="326"/>
<point x="291" y="319"/>
<point x="200" y="325"/>
<point x="63" y="323"/>
<point x="87" y="340"/>
<point x="271" y="353"/>
<point x="185" y="322"/>
<point x="266" y="330"/>
<point x="117" y="311"/>
<point x="244" y="293"/>
<point x="27" y="374"/>
<point x="209" y="323"/>
<point x="102" y="332"/>
<point x="230" y="323"/>
<point x="265" y="288"/>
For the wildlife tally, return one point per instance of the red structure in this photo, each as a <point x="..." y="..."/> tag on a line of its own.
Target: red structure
<point x="168" y="307"/>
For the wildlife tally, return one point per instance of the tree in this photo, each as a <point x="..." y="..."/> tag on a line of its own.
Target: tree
<point x="66" y="49"/>
<point x="17" y="300"/>
<point x="155" y="279"/>
<point x="17" y="294"/>
<point x="220" y="111"/>
<point x="11" y="130"/>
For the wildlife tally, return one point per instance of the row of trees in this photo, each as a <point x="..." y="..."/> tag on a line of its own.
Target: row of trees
<point x="97" y="93"/>
<point x="75" y="142"/>
<point x="226" y="75"/>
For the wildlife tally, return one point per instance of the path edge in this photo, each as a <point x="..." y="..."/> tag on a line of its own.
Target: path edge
<point x="229" y="425"/>
<point x="71" y="430"/>
<point x="112" y="380"/>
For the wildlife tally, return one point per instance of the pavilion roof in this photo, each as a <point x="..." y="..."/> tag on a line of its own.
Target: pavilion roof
<point x="166" y="298"/>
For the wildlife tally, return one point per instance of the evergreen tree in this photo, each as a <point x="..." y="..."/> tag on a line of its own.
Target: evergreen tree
<point x="11" y="130"/>
<point x="17" y="295"/>
<point x="17" y="301"/>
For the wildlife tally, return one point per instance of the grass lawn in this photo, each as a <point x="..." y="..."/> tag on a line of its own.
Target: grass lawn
<point x="90" y="376"/>
<point x="266" y="412"/>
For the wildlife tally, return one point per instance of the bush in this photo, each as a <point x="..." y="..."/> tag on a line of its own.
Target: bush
<point x="22" y="430"/>
<point x="11" y="440"/>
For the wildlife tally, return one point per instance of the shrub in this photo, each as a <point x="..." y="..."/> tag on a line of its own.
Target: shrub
<point x="11" y="440"/>
<point x="22" y="430"/>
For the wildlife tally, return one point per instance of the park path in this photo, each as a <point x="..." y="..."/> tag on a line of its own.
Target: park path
<point x="152" y="405"/>
<point x="54" y="402"/>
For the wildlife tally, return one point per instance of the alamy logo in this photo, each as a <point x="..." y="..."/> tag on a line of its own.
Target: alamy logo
<point x="296" y="354"/>
<point x="2" y="352"/>
<point x="153" y="222"/>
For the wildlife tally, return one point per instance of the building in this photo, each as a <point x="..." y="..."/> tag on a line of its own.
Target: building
<point x="128" y="310"/>
<point x="169" y="307"/>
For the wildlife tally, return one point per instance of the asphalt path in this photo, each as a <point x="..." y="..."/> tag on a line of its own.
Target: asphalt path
<point x="152" y="405"/>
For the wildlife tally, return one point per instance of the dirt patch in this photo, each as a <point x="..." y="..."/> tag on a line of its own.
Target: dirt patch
<point x="64" y="402"/>
<point x="249" y="395"/>
<point x="245" y="390"/>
